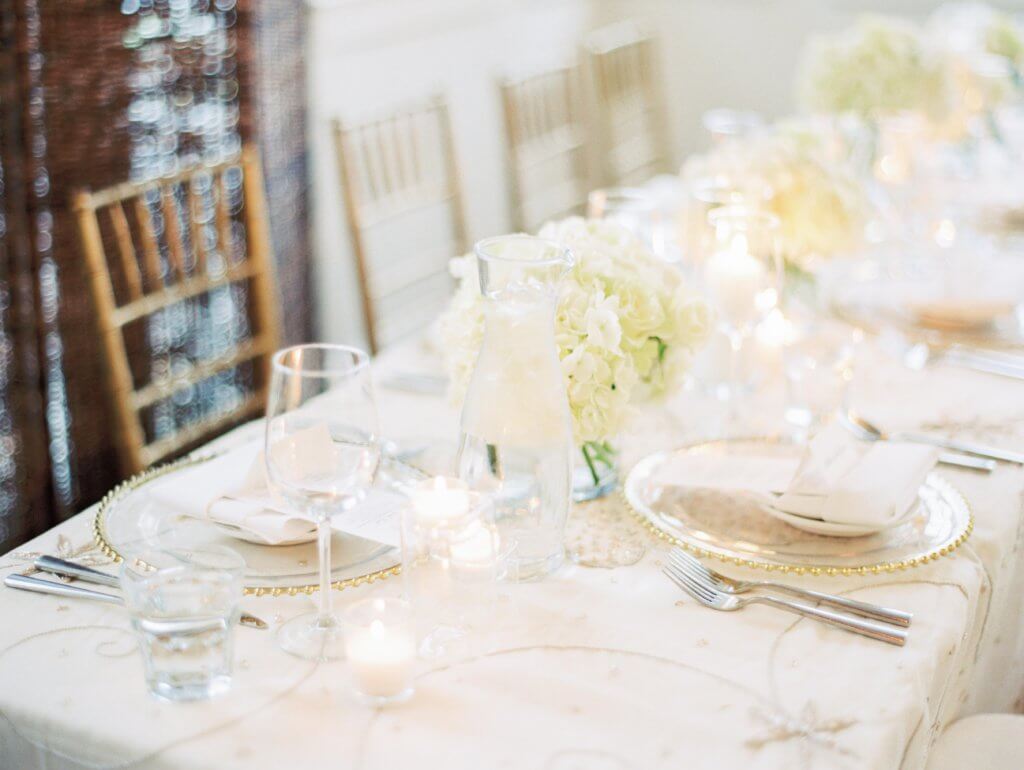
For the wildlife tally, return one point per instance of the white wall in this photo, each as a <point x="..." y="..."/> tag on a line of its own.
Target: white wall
<point x="365" y="56"/>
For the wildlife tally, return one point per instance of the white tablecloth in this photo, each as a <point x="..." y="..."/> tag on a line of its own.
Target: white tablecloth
<point x="594" y="668"/>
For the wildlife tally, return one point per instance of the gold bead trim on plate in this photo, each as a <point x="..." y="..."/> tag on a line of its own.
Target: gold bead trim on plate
<point x="811" y="569"/>
<point x="146" y="476"/>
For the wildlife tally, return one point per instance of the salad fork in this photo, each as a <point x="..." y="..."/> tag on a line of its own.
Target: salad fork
<point x="710" y="596"/>
<point x="702" y="573"/>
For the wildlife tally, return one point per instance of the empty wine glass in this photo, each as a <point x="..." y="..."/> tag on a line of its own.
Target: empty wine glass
<point x="743" y="278"/>
<point x="322" y="453"/>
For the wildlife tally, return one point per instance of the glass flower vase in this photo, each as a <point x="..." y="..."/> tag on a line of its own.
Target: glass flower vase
<point x="516" y="439"/>
<point x="596" y="473"/>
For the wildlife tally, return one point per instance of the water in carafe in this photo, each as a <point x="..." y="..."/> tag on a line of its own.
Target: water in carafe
<point x="516" y="430"/>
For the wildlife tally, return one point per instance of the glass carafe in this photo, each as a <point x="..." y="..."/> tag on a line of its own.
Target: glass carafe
<point x="516" y="433"/>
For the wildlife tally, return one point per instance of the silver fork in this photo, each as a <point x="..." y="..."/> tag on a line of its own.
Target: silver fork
<point x="698" y="570"/>
<point x="711" y="597"/>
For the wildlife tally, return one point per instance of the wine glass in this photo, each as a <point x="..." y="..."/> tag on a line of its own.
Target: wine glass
<point x="322" y="454"/>
<point x="637" y="210"/>
<point x="743" y="278"/>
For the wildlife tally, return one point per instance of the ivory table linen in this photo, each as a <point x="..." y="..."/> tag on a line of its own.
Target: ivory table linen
<point x="594" y="668"/>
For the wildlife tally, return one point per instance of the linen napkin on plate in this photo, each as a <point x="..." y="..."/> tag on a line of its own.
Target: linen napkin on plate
<point x="837" y="479"/>
<point x="845" y="481"/>
<point x="231" y="489"/>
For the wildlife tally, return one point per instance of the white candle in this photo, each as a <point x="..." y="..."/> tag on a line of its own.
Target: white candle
<point x="475" y="553"/>
<point x="735" y="279"/>
<point x="440" y="499"/>
<point x="381" y="658"/>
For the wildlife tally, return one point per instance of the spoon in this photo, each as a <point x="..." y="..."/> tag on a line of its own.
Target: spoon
<point x="867" y="431"/>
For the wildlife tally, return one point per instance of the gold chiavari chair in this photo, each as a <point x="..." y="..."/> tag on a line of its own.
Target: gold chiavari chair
<point x="547" y="150"/>
<point x="403" y="203"/>
<point x="629" y="109"/>
<point x="182" y="278"/>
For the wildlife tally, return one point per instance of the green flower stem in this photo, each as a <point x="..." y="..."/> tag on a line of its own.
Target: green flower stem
<point x="590" y="462"/>
<point x="598" y="452"/>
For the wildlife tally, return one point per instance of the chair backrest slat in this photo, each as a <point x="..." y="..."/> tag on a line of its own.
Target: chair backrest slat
<point x="126" y="250"/>
<point x="399" y="177"/>
<point x="545" y="135"/>
<point x="209" y="327"/>
<point x="198" y="227"/>
<point x="628" y="104"/>
<point x="150" y="248"/>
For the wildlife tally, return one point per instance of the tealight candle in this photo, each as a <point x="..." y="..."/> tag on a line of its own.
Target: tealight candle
<point x="439" y="499"/>
<point x="380" y="647"/>
<point x="734" y="279"/>
<point x="474" y="552"/>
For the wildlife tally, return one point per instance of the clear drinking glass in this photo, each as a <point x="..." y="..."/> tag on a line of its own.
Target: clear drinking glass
<point x="743" y="279"/>
<point x="322" y="453"/>
<point x="818" y="366"/>
<point x="184" y="608"/>
<point x="380" y="647"/>
<point x="516" y="432"/>
<point x="637" y="210"/>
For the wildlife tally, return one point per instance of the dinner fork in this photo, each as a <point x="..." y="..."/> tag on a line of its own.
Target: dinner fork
<point x="711" y="597"/>
<point x="703" y="573"/>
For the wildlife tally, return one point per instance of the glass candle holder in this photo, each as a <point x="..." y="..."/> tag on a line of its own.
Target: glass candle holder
<point x="743" y="279"/>
<point x="184" y="608"/>
<point x="637" y="210"/>
<point x="704" y="195"/>
<point x="724" y="124"/>
<point x="450" y="565"/>
<point x="380" y="647"/>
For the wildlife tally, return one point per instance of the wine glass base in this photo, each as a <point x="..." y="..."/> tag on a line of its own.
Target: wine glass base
<point x="304" y="637"/>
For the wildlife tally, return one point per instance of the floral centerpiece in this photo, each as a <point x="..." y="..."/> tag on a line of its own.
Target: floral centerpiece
<point x="881" y="66"/>
<point x="816" y="194"/>
<point x="626" y="327"/>
<point x="1005" y="37"/>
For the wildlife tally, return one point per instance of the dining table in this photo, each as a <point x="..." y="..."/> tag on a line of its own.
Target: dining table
<point x="603" y="665"/>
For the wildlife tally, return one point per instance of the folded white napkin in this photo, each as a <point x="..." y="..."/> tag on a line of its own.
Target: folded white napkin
<point x="837" y="479"/>
<point x="231" y="489"/>
<point x="845" y="481"/>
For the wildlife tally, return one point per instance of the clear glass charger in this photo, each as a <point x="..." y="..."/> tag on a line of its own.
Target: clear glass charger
<point x="872" y="294"/>
<point x="129" y="520"/>
<point x="732" y="526"/>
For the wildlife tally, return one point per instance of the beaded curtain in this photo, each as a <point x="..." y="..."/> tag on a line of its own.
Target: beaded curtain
<point x="94" y="94"/>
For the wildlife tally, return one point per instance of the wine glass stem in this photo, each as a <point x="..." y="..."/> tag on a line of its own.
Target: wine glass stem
<point x="735" y="350"/>
<point x="324" y="617"/>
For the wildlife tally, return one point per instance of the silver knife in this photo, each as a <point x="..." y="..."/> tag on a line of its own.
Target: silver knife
<point x="38" y="585"/>
<point x="964" y="447"/>
<point x="69" y="569"/>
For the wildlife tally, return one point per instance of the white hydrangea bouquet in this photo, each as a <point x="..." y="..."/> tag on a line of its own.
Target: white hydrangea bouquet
<point x="882" y="65"/>
<point x="626" y="327"/>
<point x="817" y="195"/>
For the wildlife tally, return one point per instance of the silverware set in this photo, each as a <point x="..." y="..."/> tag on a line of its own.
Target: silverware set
<point x="979" y="359"/>
<point x="867" y="431"/>
<point x="719" y="592"/>
<point x="69" y="569"/>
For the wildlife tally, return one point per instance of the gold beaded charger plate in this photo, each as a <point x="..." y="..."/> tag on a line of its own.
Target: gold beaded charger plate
<point x="733" y="527"/>
<point x="129" y="519"/>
